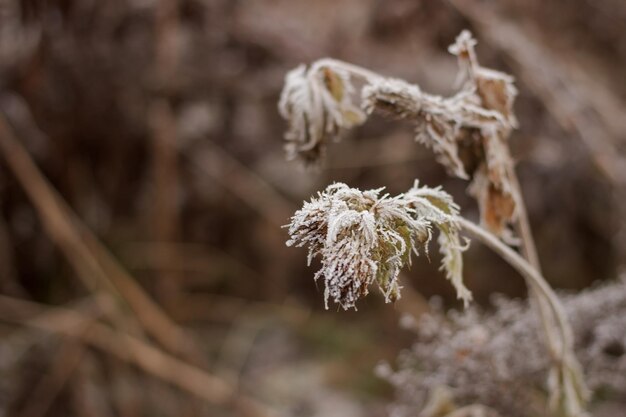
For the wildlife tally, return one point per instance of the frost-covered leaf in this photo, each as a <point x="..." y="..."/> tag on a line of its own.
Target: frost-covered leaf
<point x="317" y="104"/>
<point x="437" y="205"/>
<point x="366" y="238"/>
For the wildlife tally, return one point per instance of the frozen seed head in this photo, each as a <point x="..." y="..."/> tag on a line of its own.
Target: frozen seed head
<point x="365" y="238"/>
<point x="317" y="103"/>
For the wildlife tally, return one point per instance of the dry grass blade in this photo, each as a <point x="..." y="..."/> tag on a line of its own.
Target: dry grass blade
<point x="133" y="350"/>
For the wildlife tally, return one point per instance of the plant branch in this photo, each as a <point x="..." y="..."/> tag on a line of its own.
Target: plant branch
<point x="529" y="249"/>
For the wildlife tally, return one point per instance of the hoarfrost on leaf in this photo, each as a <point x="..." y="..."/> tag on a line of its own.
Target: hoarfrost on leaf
<point x="317" y="103"/>
<point x="365" y="238"/>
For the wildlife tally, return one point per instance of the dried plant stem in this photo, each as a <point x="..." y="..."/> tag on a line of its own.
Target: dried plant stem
<point x="574" y="391"/>
<point x="528" y="247"/>
<point x="538" y="300"/>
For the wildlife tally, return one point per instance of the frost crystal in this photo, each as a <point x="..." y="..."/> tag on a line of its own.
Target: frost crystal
<point x="364" y="238"/>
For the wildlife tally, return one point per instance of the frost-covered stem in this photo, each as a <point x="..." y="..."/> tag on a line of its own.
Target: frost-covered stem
<point x="575" y="391"/>
<point x="367" y="75"/>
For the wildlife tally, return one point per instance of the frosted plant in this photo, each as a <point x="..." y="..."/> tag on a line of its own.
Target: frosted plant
<point x="435" y="204"/>
<point x="365" y="238"/>
<point x="456" y="350"/>
<point x="317" y="101"/>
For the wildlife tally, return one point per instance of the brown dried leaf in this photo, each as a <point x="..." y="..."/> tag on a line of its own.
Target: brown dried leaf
<point x="497" y="206"/>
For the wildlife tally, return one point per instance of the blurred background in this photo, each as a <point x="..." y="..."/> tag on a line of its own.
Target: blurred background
<point x="143" y="186"/>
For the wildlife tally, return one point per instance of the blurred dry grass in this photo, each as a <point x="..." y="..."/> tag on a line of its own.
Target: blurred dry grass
<point x="142" y="186"/>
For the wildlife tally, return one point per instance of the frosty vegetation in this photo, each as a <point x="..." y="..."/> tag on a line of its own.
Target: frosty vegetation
<point x="364" y="238"/>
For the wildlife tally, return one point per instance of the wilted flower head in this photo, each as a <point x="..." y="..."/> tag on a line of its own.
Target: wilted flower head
<point x="365" y="238"/>
<point x="318" y="105"/>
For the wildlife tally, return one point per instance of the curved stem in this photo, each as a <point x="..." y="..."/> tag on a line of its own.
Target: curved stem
<point x="573" y="389"/>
